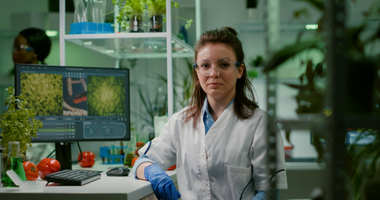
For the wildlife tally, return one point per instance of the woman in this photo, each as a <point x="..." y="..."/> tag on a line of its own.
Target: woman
<point x="31" y="46"/>
<point x="218" y="142"/>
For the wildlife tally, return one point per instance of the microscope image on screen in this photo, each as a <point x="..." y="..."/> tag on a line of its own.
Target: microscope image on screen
<point x="43" y="92"/>
<point x="74" y="97"/>
<point x="106" y="95"/>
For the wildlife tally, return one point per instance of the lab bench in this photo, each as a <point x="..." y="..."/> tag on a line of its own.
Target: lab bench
<point x="115" y="188"/>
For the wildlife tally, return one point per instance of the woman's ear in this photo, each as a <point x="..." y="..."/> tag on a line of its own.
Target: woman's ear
<point x="241" y="70"/>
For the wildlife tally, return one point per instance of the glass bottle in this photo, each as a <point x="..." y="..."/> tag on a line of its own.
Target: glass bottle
<point x="14" y="162"/>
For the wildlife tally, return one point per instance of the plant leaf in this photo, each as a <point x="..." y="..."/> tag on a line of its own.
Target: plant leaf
<point x="318" y="146"/>
<point x="309" y="71"/>
<point x="288" y="52"/>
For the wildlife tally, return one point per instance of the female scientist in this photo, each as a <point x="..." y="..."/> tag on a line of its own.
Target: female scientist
<point x="218" y="142"/>
<point x="31" y="46"/>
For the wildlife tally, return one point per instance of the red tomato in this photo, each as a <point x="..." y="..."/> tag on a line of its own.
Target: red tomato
<point x="172" y="167"/>
<point x="140" y="144"/>
<point x="134" y="160"/>
<point x="137" y="151"/>
<point x="88" y="159"/>
<point x="31" y="171"/>
<point x="48" y="166"/>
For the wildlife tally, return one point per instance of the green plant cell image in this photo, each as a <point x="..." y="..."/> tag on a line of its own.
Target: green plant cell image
<point x="106" y="95"/>
<point x="43" y="92"/>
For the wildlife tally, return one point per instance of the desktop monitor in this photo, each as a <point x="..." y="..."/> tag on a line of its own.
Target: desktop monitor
<point x="76" y="104"/>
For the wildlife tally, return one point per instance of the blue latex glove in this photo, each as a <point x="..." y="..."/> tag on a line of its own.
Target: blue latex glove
<point x="162" y="184"/>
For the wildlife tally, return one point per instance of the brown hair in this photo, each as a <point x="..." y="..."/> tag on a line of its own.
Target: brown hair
<point x="244" y="102"/>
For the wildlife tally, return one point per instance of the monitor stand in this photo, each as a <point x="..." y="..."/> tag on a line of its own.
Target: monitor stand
<point x="63" y="154"/>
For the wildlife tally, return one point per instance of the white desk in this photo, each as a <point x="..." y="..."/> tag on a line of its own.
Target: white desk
<point x="108" y="188"/>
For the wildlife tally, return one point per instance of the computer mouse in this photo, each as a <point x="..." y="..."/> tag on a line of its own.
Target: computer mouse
<point x="118" y="171"/>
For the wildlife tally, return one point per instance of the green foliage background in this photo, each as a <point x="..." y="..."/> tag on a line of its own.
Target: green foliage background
<point x="43" y="92"/>
<point x="106" y="95"/>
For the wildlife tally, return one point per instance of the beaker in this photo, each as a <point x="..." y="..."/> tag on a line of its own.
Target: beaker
<point x="14" y="162"/>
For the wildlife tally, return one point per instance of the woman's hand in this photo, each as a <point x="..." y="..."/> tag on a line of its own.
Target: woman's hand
<point x="162" y="184"/>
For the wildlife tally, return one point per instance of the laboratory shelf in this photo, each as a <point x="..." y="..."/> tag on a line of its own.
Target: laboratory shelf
<point x="368" y="121"/>
<point x="115" y="35"/>
<point x="132" y="45"/>
<point x="301" y="124"/>
<point x="319" y="123"/>
<point x="291" y="27"/>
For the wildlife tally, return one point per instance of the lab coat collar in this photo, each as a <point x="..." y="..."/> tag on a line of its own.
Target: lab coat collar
<point x="205" y="110"/>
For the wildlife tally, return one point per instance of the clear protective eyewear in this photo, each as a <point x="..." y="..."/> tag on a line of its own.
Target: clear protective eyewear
<point x="19" y="48"/>
<point x="222" y="67"/>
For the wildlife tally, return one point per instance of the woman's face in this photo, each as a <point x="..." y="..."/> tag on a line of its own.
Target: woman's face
<point x="22" y="54"/>
<point x="219" y="86"/>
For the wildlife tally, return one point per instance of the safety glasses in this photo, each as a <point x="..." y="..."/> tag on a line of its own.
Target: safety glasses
<point x="222" y="67"/>
<point x="19" y="48"/>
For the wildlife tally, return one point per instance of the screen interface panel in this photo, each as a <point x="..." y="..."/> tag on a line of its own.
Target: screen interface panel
<point x="76" y="103"/>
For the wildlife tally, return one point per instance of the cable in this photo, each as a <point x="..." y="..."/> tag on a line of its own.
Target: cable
<point x="50" y="154"/>
<point x="80" y="151"/>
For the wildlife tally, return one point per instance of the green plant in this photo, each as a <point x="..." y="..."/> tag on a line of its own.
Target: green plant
<point x="138" y="7"/>
<point x="310" y="96"/>
<point x="185" y="86"/>
<point x="255" y="63"/>
<point x="127" y="8"/>
<point x="18" y="122"/>
<point x="156" y="7"/>
<point x="159" y="106"/>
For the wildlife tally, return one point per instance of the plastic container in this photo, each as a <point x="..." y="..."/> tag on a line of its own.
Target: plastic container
<point x="91" y="28"/>
<point x="112" y="155"/>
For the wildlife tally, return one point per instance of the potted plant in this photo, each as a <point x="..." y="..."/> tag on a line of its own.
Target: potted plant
<point x="18" y="123"/>
<point x="132" y="11"/>
<point x="157" y="11"/>
<point x="310" y="96"/>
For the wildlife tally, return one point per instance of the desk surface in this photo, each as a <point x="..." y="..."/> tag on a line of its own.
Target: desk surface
<point x="112" y="188"/>
<point x="109" y="188"/>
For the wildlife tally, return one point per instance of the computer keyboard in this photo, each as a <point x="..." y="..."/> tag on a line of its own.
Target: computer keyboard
<point x="73" y="177"/>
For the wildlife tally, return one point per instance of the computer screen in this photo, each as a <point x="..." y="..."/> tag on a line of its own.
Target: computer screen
<point x="76" y="103"/>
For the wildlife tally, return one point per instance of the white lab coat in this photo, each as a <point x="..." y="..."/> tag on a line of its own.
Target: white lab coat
<point x="227" y="163"/>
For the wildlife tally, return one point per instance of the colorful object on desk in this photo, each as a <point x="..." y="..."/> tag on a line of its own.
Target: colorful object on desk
<point x="172" y="168"/>
<point x="88" y="159"/>
<point x="91" y="28"/>
<point x="288" y="152"/>
<point x="31" y="171"/>
<point x="134" y="160"/>
<point x="47" y="166"/>
<point x="110" y="155"/>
